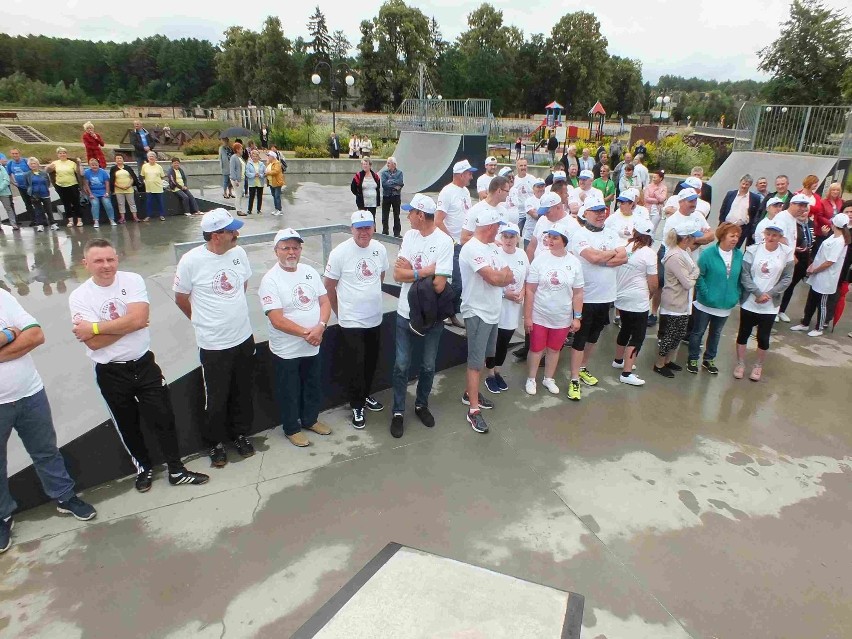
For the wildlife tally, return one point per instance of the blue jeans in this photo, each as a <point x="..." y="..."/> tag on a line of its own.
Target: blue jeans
<point x="226" y="182"/>
<point x="30" y="417"/>
<point x="297" y="387"/>
<point x="96" y="208"/>
<point x="405" y="341"/>
<point x="700" y="322"/>
<point x="150" y="199"/>
<point x="276" y="197"/>
<point x="457" y="282"/>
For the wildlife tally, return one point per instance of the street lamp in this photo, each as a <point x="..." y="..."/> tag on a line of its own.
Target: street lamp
<point x="333" y="83"/>
<point x="662" y="100"/>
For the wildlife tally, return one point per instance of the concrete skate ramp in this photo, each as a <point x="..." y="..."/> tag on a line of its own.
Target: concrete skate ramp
<point x="768" y="165"/>
<point x="426" y="158"/>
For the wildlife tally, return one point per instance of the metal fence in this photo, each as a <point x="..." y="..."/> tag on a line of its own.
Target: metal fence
<point x="816" y="130"/>
<point x="445" y="116"/>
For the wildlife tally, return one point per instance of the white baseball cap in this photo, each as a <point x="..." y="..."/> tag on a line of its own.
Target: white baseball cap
<point x="509" y="227"/>
<point x="491" y="160"/>
<point x="488" y="217"/>
<point x="219" y="220"/>
<point x="687" y="194"/>
<point x="506" y="170"/>
<point x="800" y="198"/>
<point x="841" y="221"/>
<point x="643" y="225"/>
<point x="462" y="166"/>
<point x="560" y="228"/>
<point x="774" y="227"/>
<point x="594" y="204"/>
<point x="560" y="175"/>
<point x="539" y="182"/>
<point x="687" y="227"/>
<point x="627" y="195"/>
<point x="547" y="200"/>
<point x="422" y="203"/>
<point x="585" y="174"/>
<point x="693" y="182"/>
<point x="272" y="154"/>
<point x="773" y="201"/>
<point x="361" y="219"/>
<point x="287" y="234"/>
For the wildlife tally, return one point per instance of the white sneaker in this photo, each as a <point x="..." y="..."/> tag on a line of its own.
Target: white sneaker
<point x="799" y="327"/>
<point x="777" y="319"/>
<point x="97" y="225"/>
<point x="188" y="214"/>
<point x="784" y="317"/>
<point x="550" y="385"/>
<point x="529" y="387"/>
<point x="619" y="366"/>
<point x="113" y="223"/>
<point x="815" y="333"/>
<point x="54" y="227"/>
<point x="631" y="379"/>
<point x="39" y="229"/>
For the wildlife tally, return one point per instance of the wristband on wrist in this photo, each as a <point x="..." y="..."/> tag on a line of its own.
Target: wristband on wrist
<point x="578" y="315"/>
<point x="96" y="329"/>
<point x="10" y="336"/>
<point x="416" y="275"/>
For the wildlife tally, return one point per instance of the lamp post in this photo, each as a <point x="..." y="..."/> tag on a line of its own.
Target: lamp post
<point x="332" y="83"/>
<point x="662" y="101"/>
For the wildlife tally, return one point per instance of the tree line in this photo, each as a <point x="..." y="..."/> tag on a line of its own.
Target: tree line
<point x="809" y="63"/>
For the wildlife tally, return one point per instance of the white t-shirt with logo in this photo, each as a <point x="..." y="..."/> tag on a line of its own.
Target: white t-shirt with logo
<point x="483" y="182"/>
<point x="510" y="210"/>
<point x="543" y="225"/>
<point x="523" y="188"/>
<point x="557" y="277"/>
<point x="703" y="208"/>
<point x="216" y="288"/>
<point x="20" y="377"/>
<point x="435" y="248"/>
<point x="677" y="218"/>
<point x="510" y="312"/>
<point x="297" y="295"/>
<point x="479" y="298"/>
<point x="631" y="280"/>
<point x="766" y="269"/>
<point x="622" y="225"/>
<point x="579" y="196"/>
<point x="94" y="303"/>
<point x="782" y="219"/>
<point x="455" y="202"/>
<point x="478" y="209"/>
<point x="358" y="273"/>
<point x="831" y="250"/>
<point x="600" y="280"/>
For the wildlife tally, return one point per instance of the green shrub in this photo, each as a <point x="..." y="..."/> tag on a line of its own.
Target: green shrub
<point x="201" y="147"/>
<point x="290" y="135"/>
<point x="311" y="152"/>
<point x="675" y="156"/>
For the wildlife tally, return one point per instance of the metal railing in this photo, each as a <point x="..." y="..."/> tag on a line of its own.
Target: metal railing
<point x="446" y="116"/>
<point x="323" y="232"/>
<point x="778" y="128"/>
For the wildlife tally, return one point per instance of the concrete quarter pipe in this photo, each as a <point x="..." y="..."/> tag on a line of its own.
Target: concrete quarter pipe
<point x="426" y="158"/>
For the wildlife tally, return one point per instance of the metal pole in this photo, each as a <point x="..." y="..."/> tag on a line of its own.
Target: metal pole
<point x="804" y="129"/>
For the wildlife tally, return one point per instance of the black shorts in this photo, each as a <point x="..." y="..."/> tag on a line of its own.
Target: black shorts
<point x="634" y="325"/>
<point x="595" y="317"/>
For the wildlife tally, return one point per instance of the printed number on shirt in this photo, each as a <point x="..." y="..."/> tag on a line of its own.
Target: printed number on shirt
<point x="237" y="262"/>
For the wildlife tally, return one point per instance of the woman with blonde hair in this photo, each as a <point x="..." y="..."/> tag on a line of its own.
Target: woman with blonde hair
<point x="238" y="174"/>
<point x="93" y="142"/>
<point x="822" y="222"/>
<point x="67" y="174"/>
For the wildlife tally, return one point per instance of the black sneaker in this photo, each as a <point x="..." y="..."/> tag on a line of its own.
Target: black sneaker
<point x="709" y="365"/>
<point x="397" y="427"/>
<point x="144" y="480"/>
<point x="501" y="383"/>
<point x="425" y="416"/>
<point x="692" y="366"/>
<point x="218" y="458"/>
<point x="244" y="446"/>
<point x="520" y="354"/>
<point x="674" y="367"/>
<point x="652" y="320"/>
<point x="187" y="477"/>
<point x="371" y="403"/>
<point x="358" y="420"/>
<point x="486" y="404"/>
<point x="665" y="371"/>
<point x="477" y="421"/>
<point x="77" y="507"/>
<point x="6" y="526"/>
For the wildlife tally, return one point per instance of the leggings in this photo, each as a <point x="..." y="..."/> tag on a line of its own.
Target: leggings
<point x="799" y="273"/>
<point x="160" y="199"/>
<point x="504" y="336"/>
<point x="817" y="302"/>
<point x="255" y="191"/>
<point x="672" y="331"/>
<point x="42" y="215"/>
<point x="763" y="322"/>
<point x="70" y="197"/>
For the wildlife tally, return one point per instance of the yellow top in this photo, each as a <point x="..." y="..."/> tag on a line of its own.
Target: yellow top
<point x="123" y="181"/>
<point x="66" y="172"/>
<point x="153" y="176"/>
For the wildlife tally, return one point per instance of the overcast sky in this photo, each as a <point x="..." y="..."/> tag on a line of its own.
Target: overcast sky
<point x="716" y="39"/>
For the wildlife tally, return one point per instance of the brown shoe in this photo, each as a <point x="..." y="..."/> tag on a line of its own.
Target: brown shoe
<point x="320" y="429"/>
<point x="299" y="439"/>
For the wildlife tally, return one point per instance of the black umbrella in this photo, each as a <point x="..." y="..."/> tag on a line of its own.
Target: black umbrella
<point x="236" y="132"/>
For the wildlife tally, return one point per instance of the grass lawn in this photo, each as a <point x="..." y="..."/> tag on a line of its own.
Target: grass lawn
<point x="113" y="130"/>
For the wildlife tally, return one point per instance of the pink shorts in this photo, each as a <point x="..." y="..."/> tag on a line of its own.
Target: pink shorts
<point x="552" y="338"/>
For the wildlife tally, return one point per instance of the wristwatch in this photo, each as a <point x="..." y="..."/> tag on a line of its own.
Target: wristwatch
<point x="324" y="325"/>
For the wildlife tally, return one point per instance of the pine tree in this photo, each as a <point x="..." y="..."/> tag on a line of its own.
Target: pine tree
<point x="320" y="43"/>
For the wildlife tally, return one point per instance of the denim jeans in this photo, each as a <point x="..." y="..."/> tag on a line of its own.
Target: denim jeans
<point x="457" y="281"/>
<point x="701" y="321"/>
<point x="276" y="197"/>
<point x="31" y="418"/>
<point x="96" y="208"/>
<point x="405" y="342"/>
<point x="155" y="198"/>
<point x="226" y="182"/>
<point x="297" y="387"/>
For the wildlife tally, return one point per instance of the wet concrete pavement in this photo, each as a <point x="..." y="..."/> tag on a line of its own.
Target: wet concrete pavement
<point x="696" y="507"/>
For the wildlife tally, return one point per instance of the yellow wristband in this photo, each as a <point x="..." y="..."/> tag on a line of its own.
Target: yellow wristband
<point x="95" y="329"/>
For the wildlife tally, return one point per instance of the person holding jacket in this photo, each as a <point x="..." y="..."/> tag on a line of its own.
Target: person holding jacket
<point x="366" y="187"/>
<point x="93" y="142"/>
<point x="256" y="179"/>
<point x="275" y="179"/>
<point x="142" y="142"/>
<point x="740" y="207"/>
<point x="237" y="175"/>
<point x="392" y="183"/>
<point x="718" y="288"/>
<point x="180" y="187"/>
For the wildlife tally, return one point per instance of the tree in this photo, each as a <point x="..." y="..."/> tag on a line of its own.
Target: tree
<point x="583" y="74"/>
<point x="372" y="79"/>
<point x="436" y="40"/>
<point x="320" y="42"/>
<point x="275" y="65"/>
<point x="340" y="46"/>
<point x="626" y="90"/>
<point x="401" y="35"/>
<point x="810" y="57"/>
<point x="236" y="63"/>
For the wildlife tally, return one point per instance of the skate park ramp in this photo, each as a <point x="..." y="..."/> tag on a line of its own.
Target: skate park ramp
<point x="426" y="158"/>
<point x="769" y="165"/>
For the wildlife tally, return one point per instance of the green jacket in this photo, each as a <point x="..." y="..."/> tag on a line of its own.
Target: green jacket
<point x="716" y="287"/>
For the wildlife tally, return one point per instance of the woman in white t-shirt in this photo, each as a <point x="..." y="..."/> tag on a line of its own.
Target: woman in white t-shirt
<point x="553" y="306"/>
<point x="824" y="275"/>
<point x="636" y="281"/>
<point x="767" y="270"/>
<point x="512" y="305"/>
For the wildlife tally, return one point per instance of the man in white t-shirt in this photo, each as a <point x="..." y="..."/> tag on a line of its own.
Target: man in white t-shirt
<point x="498" y="191"/>
<point x="584" y="190"/>
<point x="776" y="216"/>
<point x="550" y="211"/>
<point x="110" y="316"/>
<point x="297" y="309"/>
<point x="485" y="179"/>
<point x="531" y="209"/>
<point x="24" y="408"/>
<point x="453" y="204"/>
<point x="600" y="253"/>
<point x="641" y="171"/>
<point x="210" y="289"/>
<point x="426" y="254"/>
<point x="353" y="278"/>
<point x="484" y="274"/>
<point x="687" y="200"/>
<point x="694" y="182"/>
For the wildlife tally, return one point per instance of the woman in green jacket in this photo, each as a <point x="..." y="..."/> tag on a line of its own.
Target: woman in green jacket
<point x="718" y="292"/>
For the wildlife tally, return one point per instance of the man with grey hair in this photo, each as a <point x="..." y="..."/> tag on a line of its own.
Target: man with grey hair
<point x="706" y="192"/>
<point x="392" y="183"/>
<point x="740" y="207"/>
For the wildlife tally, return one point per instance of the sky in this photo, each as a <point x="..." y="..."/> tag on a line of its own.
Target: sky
<point x="713" y="40"/>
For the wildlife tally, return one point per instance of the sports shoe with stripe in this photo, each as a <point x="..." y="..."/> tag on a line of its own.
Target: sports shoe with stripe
<point x="187" y="477"/>
<point x="144" y="480"/>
